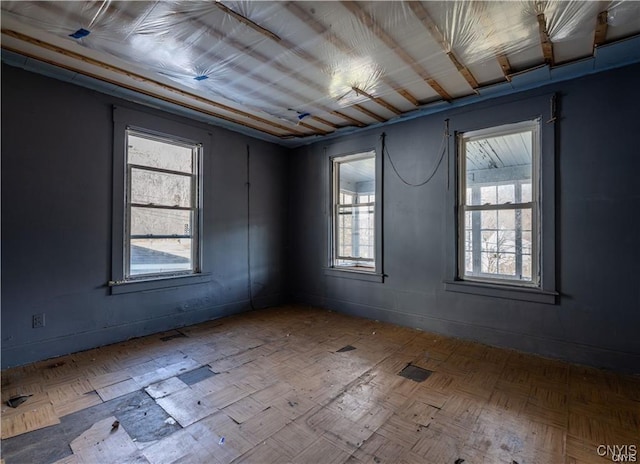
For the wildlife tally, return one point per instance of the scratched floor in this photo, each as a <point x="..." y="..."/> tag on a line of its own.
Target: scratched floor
<point x="302" y="385"/>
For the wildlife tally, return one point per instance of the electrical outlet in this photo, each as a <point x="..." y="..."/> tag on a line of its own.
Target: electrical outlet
<point x="38" y="321"/>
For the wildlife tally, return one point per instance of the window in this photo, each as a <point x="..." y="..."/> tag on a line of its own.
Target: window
<point x="498" y="233"/>
<point x="162" y="211"/>
<point x="353" y="213"/>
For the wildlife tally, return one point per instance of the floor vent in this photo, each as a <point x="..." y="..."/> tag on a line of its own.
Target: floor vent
<point x="415" y="373"/>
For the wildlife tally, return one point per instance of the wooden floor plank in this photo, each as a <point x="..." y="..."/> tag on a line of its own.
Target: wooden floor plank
<point x="279" y="392"/>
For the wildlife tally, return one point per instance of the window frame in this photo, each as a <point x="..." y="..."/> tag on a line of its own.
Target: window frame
<point x="166" y="127"/>
<point x="539" y="105"/>
<point x="534" y="205"/>
<point x="336" y="206"/>
<point x="195" y="201"/>
<point x="356" y="148"/>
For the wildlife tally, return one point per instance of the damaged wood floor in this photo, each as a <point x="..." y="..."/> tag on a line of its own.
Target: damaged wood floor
<point x="302" y="385"/>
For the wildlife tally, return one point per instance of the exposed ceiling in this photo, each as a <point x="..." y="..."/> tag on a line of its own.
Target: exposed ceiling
<point x="297" y="70"/>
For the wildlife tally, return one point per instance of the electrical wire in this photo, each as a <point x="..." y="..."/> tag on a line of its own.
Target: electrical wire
<point x="442" y="150"/>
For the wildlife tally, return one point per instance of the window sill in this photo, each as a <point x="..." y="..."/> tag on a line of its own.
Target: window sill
<point x="142" y="285"/>
<point x="351" y="273"/>
<point x="509" y="292"/>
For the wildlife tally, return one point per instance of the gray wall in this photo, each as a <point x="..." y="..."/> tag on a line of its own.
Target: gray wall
<point x="57" y="142"/>
<point x="597" y="315"/>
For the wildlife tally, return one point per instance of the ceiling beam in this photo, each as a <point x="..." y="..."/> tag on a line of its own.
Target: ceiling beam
<point x="84" y="72"/>
<point x="378" y="100"/>
<point x="144" y="79"/>
<point x="246" y="21"/>
<point x="505" y="66"/>
<point x="364" y="17"/>
<point x="369" y="113"/>
<point x="423" y="15"/>
<point x="241" y="70"/>
<point x="331" y="37"/>
<point x="545" y="41"/>
<point x="349" y="118"/>
<point x="602" y="25"/>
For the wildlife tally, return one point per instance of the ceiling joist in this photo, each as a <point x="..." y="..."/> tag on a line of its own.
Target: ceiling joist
<point x="545" y="41"/>
<point x="423" y="15"/>
<point x="369" y="113"/>
<point x="240" y="70"/>
<point x="390" y="42"/>
<point x="602" y="26"/>
<point x="144" y="79"/>
<point x="379" y="101"/>
<point x="505" y="66"/>
<point x="341" y="45"/>
<point x="247" y="22"/>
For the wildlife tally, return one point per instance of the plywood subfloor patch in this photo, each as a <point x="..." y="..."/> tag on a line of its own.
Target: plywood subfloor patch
<point x="269" y="386"/>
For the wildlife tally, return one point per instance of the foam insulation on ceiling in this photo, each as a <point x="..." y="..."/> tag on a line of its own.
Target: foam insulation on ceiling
<point x="318" y="66"/>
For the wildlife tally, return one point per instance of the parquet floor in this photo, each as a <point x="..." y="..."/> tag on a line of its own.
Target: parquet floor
<point x="271" y="387"/>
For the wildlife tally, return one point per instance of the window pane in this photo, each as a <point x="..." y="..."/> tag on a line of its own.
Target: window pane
<point x="158" y="188"/>
<point x="355" y="226"/>
<point x="489" y="219"/>
<point x="356" y="232"/>
<point x="506" y="264"/>
<point x="506" y="219"/>
<point x="526" y="267"/>
<point x="507" y="241"/>
<point x="526" y="192"/>
<point x="156" y="221"/>
<point x="157" y="154"/>
<point x="498" y="171"/>
<point x="488" y="195"/>
<point x="495" y="163"/>
<point x="506" y="194"/>
<point x="152" y="256"/>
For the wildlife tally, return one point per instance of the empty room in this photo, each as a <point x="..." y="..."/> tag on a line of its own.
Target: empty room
<point x="320" y="232"/>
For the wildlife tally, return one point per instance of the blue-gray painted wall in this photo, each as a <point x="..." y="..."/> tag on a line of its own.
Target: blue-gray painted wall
<point x="57" y="212"/>
<point x="596" y="320"/>
<point x="57" y="141"/>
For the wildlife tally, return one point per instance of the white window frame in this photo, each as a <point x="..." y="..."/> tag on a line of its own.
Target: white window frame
<point x="195" y="202"/>
<point x="165" y="127"/>
<point x="362" y="264"/>
<point x="532" y="126"/>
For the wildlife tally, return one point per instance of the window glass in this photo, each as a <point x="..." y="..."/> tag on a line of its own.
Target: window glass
<point x="162" y="206"/>
<point x="496" y="227"/>
<point x="354" y="211"/>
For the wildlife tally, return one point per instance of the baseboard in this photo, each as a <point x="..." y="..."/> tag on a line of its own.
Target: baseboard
<point x="577" y="353"/>
<point x="27" y="353"/>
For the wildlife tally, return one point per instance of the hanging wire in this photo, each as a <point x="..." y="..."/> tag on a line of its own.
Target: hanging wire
<point x="442" y="150"/>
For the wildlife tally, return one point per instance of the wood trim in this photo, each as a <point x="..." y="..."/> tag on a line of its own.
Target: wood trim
<point x="390" y="42"/>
